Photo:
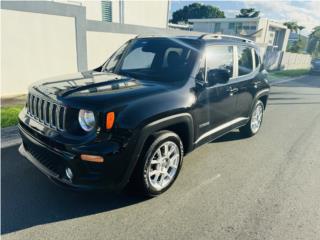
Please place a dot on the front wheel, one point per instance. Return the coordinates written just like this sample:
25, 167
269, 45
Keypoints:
160, 165
254, 124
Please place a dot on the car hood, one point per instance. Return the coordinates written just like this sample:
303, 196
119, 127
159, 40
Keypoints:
96, 89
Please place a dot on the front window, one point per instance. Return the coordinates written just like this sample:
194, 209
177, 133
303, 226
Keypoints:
156, 59
220, 58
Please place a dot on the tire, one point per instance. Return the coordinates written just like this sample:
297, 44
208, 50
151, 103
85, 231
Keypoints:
156, 171
254, 124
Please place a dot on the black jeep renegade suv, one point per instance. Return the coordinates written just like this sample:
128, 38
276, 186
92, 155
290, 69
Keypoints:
136, 116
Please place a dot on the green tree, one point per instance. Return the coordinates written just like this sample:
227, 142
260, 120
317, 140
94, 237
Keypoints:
300, 29
292, 26
196, 10
314, 42
248, 13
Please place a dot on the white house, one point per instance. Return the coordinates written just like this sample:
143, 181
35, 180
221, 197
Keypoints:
265, 32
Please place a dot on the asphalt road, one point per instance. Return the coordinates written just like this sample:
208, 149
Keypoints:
265, 187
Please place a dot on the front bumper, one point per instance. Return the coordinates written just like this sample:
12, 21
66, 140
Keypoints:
52, 160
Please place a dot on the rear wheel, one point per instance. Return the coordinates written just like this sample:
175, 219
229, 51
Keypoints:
254, 124
159, 167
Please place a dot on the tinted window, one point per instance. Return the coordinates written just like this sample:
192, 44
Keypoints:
159, 59
220, 57
245, 61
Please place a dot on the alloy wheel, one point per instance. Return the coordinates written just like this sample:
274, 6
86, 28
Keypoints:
163, 165
256, 118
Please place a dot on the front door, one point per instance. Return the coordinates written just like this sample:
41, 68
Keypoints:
217, 100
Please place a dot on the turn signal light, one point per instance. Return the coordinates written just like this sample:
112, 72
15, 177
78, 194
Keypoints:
109, 120
92, 158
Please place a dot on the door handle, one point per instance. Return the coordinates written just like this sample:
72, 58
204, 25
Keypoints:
256, 83
232, 90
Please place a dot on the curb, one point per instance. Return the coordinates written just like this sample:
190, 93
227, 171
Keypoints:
10, 136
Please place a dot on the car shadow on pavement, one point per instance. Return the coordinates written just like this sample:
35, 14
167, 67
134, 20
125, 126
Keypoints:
234, 135
29, 198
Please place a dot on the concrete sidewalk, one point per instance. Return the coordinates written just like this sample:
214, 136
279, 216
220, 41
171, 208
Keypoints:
14, 100
10, 137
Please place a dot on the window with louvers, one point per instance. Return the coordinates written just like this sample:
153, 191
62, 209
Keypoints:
106, 11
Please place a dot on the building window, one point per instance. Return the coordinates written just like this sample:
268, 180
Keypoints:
106, 7
253, 27
238, 27
217, 27
231, 25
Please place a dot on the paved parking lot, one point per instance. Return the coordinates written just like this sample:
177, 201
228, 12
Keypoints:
265, 187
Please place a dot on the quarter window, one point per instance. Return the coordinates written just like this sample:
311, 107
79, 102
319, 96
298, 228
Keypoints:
245, 61
257, 59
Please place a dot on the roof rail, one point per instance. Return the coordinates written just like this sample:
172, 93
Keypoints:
221, 36
145, 35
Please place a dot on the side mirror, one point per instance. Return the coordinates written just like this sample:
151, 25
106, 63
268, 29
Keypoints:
216, 76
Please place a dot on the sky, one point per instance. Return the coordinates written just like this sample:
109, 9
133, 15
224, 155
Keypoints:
305, 13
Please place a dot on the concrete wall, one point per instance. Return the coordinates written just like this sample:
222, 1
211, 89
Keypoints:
295, 61
146, 13
93, 10
35, 46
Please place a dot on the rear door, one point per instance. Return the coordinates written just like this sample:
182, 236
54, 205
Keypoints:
245, 80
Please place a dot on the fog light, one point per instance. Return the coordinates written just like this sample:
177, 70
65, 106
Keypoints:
69, 173
92, 158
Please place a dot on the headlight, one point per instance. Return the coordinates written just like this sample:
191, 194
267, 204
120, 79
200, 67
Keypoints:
86, 120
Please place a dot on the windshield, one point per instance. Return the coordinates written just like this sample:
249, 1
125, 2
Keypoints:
156, 59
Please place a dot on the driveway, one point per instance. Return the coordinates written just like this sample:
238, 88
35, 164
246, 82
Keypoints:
265, 187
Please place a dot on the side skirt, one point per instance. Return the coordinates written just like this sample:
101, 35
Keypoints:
220, 131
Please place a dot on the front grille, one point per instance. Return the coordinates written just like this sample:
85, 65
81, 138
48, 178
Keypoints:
49, 113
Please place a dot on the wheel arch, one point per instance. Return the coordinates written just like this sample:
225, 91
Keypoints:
261, 95
181, 124
169, 123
